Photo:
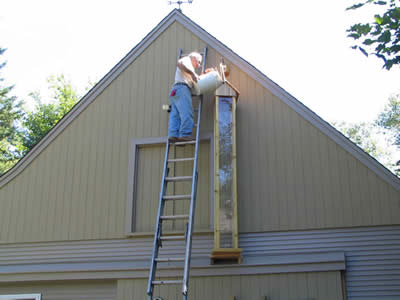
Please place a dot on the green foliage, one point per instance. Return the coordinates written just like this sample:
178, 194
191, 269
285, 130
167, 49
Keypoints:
378, 137
380, 37
45, 115
390, 120
390, 117
362, 135
368, 137
10, 114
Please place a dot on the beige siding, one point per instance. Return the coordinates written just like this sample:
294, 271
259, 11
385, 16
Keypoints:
88, 290
292, 286
290, 175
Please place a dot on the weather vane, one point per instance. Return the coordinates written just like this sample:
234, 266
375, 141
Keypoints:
179, 2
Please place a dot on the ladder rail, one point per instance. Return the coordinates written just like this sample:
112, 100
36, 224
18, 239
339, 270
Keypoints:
192, 206
158, 224
188, 252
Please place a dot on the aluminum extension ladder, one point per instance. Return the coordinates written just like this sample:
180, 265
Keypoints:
159, 238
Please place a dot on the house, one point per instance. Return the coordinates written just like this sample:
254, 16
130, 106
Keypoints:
318, 217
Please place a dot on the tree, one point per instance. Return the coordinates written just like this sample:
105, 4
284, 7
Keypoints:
10, 114
366, 135
382, 36
45, 115
390, 120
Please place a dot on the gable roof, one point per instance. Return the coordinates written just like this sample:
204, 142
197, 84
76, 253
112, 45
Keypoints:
253, 72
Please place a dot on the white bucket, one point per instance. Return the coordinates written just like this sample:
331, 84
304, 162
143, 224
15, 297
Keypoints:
207, 83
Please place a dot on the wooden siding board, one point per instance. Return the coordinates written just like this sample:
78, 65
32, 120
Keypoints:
123, 163
76, 219
354, 196
335, 201
165, 84
291, 170
283, 168
20, 214
52, 195
347, 209
97, 192
38, 205
252, 166
84, 179
363, 209
300, 163
45, 197
93, 118
7, 203
244, 195
317, 205
146, 73
324, 167
366, 200
259, 163
395, 206
308, 176
114, 167
109, 157
140, 109
74, 158
5, 212
270, 163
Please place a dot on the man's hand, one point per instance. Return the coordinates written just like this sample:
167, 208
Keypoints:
208, 70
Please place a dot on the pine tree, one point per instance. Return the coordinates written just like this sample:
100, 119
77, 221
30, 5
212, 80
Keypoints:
10, 114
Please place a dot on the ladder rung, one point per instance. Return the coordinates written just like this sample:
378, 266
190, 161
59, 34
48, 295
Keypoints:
177, 197
185, 143
173, 238
176, 217
179, 178
180, 159
169, 259
158, 282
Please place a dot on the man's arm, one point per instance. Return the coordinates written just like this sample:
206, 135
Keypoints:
184, 69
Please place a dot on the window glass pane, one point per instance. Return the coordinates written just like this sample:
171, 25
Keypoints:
225, 171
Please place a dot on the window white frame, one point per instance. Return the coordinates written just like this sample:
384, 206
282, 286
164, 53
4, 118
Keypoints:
132, 173
21, 296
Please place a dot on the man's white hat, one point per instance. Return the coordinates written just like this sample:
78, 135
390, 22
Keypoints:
196, 55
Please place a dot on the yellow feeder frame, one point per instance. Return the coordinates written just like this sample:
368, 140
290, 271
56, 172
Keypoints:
227, 251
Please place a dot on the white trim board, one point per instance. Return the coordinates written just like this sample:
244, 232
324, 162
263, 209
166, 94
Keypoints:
275, 89
21, 296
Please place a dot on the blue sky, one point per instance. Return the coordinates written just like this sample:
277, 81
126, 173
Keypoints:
301, 45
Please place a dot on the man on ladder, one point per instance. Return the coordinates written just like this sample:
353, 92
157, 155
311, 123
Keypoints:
181, 115
179, 134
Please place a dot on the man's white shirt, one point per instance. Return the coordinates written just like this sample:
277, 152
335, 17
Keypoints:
182, 76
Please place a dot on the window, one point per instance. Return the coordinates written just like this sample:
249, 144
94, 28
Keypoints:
144, 180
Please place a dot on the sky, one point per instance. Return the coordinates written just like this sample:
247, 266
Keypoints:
300, 45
